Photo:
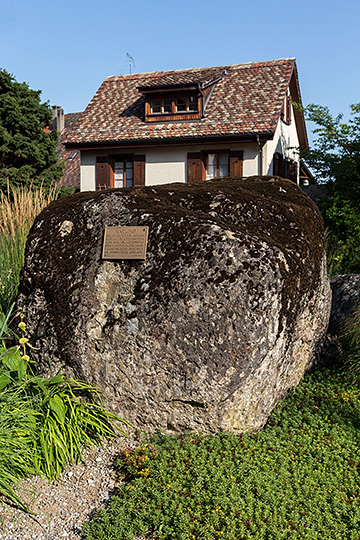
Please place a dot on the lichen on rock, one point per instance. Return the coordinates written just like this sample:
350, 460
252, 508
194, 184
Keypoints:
226, 313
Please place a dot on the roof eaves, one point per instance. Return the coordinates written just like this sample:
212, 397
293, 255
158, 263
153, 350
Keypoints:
299, 117
265, 135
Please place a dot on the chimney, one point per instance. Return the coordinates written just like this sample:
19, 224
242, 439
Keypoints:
58, 122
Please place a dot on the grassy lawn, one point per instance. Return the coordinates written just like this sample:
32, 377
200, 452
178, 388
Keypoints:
298, 478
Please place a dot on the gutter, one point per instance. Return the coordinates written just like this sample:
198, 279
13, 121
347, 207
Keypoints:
176, 141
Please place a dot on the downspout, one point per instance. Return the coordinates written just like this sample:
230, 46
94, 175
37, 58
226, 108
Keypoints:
260, 155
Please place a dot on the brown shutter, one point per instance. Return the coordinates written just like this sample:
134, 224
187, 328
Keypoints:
288, 109
102, 173
287, 166
139, 170
236, 163
194, 167
278, 164
293, 171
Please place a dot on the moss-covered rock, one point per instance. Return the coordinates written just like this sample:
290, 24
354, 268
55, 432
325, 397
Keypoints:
223, 317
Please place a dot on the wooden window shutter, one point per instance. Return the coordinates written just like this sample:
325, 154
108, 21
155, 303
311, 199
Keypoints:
288, 109
194, 167
102, 173
278, 162
287, 167
293, 171
236, 163
139, 170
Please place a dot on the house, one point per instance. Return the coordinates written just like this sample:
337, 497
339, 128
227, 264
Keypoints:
63, 124
191, 125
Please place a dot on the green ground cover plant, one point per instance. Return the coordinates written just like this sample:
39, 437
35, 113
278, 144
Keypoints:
18, 210
298, 478
44, 423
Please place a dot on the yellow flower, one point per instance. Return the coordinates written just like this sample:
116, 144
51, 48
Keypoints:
22, 326
26, 358
168, 486
23, 340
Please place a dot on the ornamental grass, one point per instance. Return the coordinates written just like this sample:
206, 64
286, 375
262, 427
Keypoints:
18, 210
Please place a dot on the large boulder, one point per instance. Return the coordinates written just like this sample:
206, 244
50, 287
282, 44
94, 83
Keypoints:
225, 315
345, 301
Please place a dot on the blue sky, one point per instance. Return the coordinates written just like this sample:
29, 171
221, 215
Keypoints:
66, 48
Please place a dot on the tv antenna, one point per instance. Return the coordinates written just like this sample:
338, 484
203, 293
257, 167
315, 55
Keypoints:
131, 61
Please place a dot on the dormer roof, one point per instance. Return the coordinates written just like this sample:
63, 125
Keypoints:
197, 78
245, 101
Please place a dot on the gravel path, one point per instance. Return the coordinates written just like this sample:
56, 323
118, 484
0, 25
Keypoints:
64, 506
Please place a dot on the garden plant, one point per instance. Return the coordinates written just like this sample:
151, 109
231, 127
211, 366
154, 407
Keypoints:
44, 423
298, 478
18, 210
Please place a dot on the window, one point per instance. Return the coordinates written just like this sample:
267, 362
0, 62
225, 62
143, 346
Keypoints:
186, 104
174, 104
118, 171
177, 106
285, 167
123, 173
217, 165
206, 165
161, 106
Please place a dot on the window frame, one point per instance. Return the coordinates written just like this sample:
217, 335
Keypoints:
192, 106
125, 159
217, 153
196, 164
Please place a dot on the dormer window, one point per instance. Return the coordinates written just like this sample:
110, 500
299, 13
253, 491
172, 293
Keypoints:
173, 102
174, 106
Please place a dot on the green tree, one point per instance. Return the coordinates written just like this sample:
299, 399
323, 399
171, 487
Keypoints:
27, 148
335, 159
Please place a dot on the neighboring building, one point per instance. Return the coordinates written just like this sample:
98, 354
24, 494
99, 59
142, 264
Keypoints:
64, 125
191, 125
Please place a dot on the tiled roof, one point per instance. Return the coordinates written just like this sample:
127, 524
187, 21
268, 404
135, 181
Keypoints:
71, 176
246, 101
186, 76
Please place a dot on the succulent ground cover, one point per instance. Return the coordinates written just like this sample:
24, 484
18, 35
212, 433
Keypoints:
296, 478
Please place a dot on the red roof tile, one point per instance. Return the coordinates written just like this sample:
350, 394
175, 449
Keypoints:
247, 100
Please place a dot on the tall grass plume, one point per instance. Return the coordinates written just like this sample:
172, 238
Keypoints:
18, 210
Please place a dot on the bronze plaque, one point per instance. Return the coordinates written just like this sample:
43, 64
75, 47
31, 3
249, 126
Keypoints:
125, 242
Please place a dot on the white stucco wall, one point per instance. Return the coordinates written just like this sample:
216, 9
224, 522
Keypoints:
285, 138
88, 171
167, 165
